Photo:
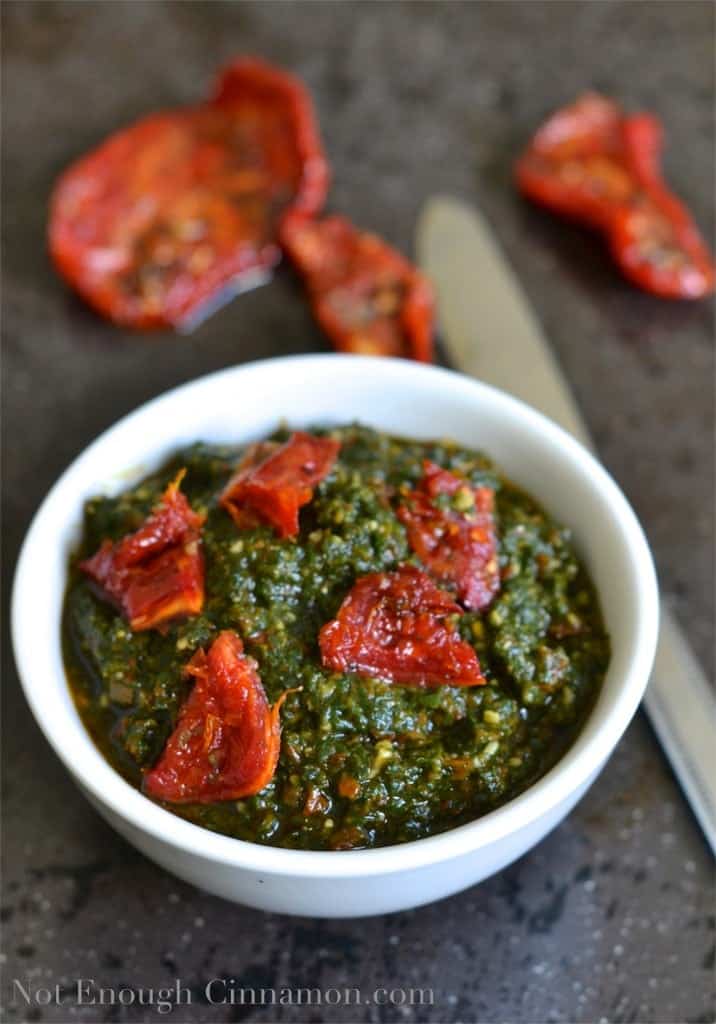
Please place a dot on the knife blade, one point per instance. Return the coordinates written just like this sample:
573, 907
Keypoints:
491, 333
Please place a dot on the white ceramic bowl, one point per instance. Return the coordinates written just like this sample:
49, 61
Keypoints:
245, 403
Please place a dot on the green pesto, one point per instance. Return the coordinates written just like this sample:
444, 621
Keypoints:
363, 762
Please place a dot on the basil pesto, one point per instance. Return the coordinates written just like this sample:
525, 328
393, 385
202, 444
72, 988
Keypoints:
363, 762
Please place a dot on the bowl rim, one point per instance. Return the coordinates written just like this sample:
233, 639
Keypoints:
577, 766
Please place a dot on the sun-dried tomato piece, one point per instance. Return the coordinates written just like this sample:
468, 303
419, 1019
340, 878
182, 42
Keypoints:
366, 296
166, 216
399, 626
274, 481
592, 162
157, 573
456, 540
227, 739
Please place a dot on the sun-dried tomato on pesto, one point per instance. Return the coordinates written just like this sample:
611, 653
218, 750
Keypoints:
364, 761
227, 739
451, 528
155, 573
273, 481
401, 627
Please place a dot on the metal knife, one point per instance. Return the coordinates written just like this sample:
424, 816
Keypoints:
490, 332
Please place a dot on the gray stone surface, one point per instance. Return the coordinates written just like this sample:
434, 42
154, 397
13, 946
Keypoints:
611, 918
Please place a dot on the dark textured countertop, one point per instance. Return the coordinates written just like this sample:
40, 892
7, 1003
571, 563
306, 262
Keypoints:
611, 918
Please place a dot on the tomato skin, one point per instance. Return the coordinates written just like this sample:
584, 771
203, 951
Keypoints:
273, 482
457, 547
594, 164
227, 739
366, 297
167, 214
156, 573
395, 626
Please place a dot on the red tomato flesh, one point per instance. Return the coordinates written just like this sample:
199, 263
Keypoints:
227, 739
166, 215
366, 297
592, 162
157, 573
398, 626
274, 481
456, 545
